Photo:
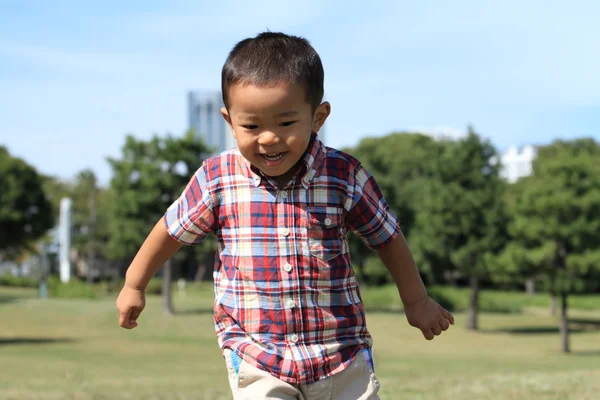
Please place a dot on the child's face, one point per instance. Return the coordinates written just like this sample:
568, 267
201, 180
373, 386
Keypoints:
273, 125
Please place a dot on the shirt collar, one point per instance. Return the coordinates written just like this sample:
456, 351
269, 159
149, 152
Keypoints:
311, 161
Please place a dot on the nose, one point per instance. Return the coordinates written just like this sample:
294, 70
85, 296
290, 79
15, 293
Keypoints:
268, 138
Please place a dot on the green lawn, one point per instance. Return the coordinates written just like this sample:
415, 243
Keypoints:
74, 349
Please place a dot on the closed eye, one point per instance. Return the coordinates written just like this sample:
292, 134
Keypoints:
250, 127
288, 123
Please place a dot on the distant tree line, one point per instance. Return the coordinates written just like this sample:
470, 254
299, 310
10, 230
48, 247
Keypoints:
466, 225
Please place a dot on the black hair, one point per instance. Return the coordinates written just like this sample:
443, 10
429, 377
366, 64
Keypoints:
272, 58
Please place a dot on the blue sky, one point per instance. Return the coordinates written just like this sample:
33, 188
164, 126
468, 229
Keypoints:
75, 76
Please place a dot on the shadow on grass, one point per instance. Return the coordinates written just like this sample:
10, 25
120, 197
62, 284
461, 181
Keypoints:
590, 353
585, 322
531, 330
8, 299
576, 325
20, 341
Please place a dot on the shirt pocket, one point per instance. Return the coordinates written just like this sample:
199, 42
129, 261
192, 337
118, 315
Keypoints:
325, 232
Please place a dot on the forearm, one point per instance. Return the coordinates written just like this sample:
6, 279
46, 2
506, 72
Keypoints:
398, 260
158, 247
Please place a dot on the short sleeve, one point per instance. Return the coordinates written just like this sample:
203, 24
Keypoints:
369, 215
190, 219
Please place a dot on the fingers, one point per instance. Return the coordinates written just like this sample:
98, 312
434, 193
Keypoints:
128, 318
444, 324
428, 334
448, 316
135, 313
125, 318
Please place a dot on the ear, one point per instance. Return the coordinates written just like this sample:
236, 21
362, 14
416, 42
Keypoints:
321, 114
227, 119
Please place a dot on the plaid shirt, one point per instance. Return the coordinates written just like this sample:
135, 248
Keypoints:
287, 300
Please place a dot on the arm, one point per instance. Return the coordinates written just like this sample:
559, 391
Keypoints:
370, 217
158, 247
397, 258
421, 311
187, 221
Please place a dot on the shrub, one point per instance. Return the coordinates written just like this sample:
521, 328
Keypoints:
18, 281
72, 289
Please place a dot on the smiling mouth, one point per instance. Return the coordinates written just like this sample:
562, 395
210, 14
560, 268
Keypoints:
273, 156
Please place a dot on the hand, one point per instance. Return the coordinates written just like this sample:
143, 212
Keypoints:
428, 316
130, 304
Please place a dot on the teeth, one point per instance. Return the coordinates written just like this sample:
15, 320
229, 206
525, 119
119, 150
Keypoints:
273, 157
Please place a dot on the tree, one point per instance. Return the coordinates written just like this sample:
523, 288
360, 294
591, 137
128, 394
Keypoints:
556, 226
400, 162
146, 180
84, 194
89, 217
25, 211
461, 221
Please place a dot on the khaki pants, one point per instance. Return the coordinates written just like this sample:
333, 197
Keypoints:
357, 382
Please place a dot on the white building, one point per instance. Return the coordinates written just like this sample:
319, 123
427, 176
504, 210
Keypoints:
517, 162
204, 115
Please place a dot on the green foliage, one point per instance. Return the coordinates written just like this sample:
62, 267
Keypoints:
556, 219
386, 298
375, 272
154, 286
460, 219
73, 289
18, 281
147, 179
90, 216
490, 301
25, 212
400, 162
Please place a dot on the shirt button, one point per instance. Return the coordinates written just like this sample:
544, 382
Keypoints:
283, 195
285, 231
287, 267
327, 221
294, 338
290, 303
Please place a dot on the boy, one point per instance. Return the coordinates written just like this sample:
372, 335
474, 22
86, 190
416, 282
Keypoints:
288, 313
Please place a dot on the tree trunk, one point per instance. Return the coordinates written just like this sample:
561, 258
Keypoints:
167, 293
530, 286
552, 304
91, 235
564, 324
200, 273
360, 271
474, 305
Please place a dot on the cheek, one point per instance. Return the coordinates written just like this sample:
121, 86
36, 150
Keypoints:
299, 142
244, 142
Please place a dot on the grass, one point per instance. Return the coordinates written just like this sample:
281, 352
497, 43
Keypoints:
73, 349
